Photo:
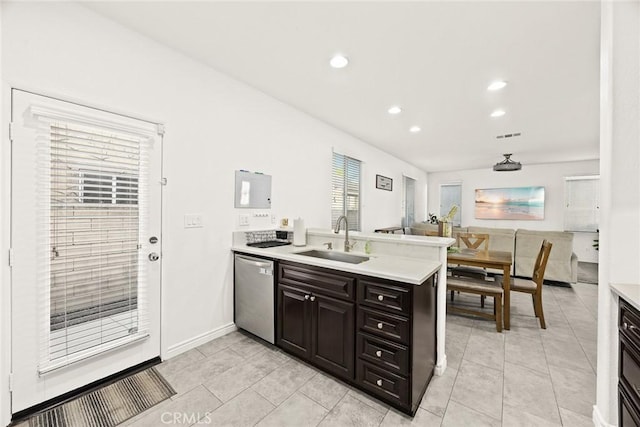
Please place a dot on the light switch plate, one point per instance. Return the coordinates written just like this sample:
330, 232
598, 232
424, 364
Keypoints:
243, 220
193, 221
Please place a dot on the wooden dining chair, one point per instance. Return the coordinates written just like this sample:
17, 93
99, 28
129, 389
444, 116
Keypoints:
477, 287
479, 241
533, 286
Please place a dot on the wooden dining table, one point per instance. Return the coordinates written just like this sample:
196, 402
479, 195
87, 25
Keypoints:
489, 259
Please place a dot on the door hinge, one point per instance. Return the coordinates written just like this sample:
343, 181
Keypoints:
11, 131
163, 181
160, 129
11, 257
11, 382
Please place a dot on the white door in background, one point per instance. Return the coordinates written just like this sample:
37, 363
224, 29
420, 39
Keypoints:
409, 217
85, 211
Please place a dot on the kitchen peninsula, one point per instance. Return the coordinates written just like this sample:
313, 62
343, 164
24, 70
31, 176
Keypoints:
375, 320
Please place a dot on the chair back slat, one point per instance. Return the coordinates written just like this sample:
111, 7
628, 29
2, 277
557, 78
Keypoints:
473, 240
541, 263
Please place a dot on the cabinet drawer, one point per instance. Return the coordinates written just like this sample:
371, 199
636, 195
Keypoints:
384, 325
386, 354
318, 280
630, 369
383, 383
629, 323
627, 411
385, 296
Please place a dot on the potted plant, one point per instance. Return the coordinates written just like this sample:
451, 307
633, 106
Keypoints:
445, 223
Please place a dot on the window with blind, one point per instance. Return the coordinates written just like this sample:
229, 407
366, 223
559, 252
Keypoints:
345, 190
582, 198
97, 202
450, 195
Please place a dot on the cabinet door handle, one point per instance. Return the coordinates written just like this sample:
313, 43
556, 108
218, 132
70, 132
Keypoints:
313, 298
626, 326
380, 325
379, 382
306, 296
380, 298
379, 353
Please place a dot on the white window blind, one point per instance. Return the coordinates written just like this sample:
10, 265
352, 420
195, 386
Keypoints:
451, 194
582, 197
409, 201
345, 190
93, 214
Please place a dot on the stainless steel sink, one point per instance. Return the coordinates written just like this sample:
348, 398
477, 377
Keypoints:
335, 256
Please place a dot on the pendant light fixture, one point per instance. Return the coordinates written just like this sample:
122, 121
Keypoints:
507, 165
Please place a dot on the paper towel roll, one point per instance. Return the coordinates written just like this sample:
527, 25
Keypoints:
299, 233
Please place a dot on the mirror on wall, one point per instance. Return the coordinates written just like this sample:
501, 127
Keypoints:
253, 190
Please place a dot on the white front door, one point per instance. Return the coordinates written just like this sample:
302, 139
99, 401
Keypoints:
86, 245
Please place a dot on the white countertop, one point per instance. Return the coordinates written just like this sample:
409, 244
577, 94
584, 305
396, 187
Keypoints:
388, 237
407, 270
629, 292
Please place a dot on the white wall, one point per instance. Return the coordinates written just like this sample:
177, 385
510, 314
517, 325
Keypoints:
214, 125
5, 294
550, 176
620, 186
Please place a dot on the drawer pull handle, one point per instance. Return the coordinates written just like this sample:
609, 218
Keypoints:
379, 353
379, 382
380, 325
380, 298
626, 326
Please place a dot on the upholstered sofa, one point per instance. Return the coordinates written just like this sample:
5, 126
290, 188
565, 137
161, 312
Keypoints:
524, 245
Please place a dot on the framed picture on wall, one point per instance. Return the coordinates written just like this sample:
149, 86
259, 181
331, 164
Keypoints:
521, 203
384, 183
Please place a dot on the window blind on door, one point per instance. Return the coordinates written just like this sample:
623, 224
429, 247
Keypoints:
92, 216
451, 195
582, 210
345, 190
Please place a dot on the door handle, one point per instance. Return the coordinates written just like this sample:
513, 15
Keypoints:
153, 256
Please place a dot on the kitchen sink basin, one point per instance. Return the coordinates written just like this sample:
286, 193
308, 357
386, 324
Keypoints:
335, 256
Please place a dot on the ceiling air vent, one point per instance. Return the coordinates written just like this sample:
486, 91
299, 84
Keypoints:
509, 135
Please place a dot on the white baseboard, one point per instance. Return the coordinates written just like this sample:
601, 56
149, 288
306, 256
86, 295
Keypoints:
198, 340
598, 419
441, 367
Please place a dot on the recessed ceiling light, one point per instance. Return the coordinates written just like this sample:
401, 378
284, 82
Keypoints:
394, 110
414, 129
339, 61
497, 85
498, 113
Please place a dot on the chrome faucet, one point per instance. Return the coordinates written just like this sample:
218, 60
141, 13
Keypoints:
347, 245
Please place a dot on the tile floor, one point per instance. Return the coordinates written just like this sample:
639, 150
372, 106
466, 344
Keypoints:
523, 377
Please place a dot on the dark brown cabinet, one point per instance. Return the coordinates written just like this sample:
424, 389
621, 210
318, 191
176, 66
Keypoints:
376, 334
396, 338
332, 323
294, 320
315, 326
629, 366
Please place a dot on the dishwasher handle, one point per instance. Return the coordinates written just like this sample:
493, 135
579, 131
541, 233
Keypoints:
255, 262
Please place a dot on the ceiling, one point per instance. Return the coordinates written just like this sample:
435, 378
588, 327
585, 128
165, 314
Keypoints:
434, 59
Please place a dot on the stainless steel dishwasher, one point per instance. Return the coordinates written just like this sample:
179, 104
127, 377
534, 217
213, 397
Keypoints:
254, 296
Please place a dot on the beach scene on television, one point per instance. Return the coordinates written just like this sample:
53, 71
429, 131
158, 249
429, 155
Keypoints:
522, 203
